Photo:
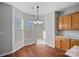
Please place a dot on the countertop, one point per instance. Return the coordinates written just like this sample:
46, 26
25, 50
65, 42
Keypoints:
76, 38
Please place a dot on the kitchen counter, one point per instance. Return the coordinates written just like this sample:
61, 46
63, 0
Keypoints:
76, 38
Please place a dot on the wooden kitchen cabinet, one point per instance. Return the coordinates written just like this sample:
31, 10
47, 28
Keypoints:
66, 44
64, 22
74, 42
63, 43
58, 42
67, 22
60, 23
75, 21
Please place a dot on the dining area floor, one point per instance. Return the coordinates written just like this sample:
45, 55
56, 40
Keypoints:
38, 50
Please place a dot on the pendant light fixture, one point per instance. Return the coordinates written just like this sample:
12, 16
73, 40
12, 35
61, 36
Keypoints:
38, 21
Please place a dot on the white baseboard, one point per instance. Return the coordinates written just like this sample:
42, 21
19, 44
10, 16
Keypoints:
14, 50
17, 49
10, 52
50, 45
21, 47
1, 55
29, 44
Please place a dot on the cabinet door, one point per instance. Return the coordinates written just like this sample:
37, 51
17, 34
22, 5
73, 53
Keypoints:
65, 44
58, 42
75, 21
74, 42
60, 22
67, 22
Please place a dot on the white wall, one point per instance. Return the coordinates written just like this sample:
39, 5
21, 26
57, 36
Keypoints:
38, 29
18, 41
50, 29
7, 16
29, 36
5, 29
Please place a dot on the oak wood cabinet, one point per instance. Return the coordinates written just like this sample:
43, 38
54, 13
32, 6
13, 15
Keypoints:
66, 44
64, 22
74, 42
62, 42
58, 42
67, 22
60, 23
75, 21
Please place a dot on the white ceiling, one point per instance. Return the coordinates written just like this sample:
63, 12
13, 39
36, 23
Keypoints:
45, 7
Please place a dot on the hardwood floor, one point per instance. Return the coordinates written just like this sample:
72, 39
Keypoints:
38, 51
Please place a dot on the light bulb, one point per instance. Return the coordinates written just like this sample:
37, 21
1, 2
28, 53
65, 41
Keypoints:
35, 22
40, 22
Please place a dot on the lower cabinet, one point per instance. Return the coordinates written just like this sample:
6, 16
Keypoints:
74, 42
58, 43
65, 44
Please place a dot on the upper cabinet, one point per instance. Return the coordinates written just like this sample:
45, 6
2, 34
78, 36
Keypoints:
60, 24
67, 22
75, 21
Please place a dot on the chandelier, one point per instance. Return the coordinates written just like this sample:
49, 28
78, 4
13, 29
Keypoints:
38, 21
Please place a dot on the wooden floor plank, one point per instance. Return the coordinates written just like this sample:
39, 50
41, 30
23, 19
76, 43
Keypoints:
38, 51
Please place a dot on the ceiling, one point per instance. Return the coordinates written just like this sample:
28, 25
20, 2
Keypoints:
44, 9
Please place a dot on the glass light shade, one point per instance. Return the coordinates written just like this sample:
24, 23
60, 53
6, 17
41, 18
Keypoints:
37, 22
34, 22
40, 22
